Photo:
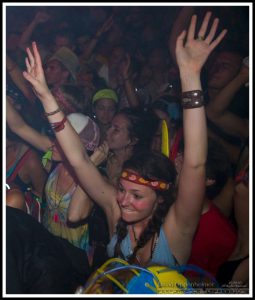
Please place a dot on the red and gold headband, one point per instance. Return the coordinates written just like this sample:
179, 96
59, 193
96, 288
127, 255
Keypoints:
155, 184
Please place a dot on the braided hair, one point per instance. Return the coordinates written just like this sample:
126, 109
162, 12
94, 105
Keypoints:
151, 166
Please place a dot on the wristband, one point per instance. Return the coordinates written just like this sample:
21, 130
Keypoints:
192, 99
58, 126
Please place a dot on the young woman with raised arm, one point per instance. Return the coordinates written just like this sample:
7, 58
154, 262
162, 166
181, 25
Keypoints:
147, 222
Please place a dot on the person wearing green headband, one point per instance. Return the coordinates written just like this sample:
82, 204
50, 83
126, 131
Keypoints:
104, 107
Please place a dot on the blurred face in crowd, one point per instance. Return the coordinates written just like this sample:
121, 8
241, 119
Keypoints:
157, 58
62, 41
104, 110
118, 134
223, 69
55, 74
85, 78
118, 54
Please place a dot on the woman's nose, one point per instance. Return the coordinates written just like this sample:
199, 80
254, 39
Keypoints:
125, 200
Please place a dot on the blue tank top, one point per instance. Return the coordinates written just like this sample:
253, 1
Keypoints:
162, 254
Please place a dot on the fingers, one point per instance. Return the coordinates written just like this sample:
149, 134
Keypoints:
28, 77
36, 55
103, 148
192, 28
202, 31
30, 58
180, 39
27, 65
212, 32
218, 39
204, 25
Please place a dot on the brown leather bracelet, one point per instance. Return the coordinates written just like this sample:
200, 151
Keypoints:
192, 99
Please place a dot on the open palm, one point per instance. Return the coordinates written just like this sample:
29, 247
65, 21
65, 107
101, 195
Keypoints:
35, 73
193, 53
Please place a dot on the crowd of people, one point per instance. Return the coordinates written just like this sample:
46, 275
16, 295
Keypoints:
127, 137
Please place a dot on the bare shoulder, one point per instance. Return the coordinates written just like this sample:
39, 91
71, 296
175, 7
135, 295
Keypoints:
34, 159
15, 198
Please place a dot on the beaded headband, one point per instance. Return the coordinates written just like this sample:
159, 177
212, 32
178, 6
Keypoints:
156, 185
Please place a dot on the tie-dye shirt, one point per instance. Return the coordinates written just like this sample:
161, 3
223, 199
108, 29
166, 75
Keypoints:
55, 215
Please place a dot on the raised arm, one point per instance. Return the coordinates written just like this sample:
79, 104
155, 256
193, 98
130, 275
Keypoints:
23, 130
90, 178
88, 51
16, 75
180, 23
81, 205
191, 55
217, 109
25, 39
128, 81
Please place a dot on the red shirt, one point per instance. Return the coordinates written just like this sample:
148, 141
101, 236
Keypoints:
214, 241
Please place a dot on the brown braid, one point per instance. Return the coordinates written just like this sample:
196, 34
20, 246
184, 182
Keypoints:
121, 233
152, 228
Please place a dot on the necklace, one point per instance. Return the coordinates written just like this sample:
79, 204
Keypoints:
153, 244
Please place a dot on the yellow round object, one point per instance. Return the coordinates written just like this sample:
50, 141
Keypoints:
171, 281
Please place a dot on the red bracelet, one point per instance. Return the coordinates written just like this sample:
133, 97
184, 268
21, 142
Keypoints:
58, 126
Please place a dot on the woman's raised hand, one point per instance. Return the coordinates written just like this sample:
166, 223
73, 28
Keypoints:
193, 53
105, 27
35, 73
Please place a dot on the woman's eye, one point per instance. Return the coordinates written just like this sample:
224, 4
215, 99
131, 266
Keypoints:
137, 196
120, 189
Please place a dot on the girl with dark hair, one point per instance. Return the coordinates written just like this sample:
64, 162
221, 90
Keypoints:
131, 131
136, 200
146, 164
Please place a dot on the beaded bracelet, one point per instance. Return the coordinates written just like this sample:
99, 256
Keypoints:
192, 99
52, 113
58, 126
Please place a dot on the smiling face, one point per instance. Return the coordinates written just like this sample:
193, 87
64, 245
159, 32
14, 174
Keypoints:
137, 202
